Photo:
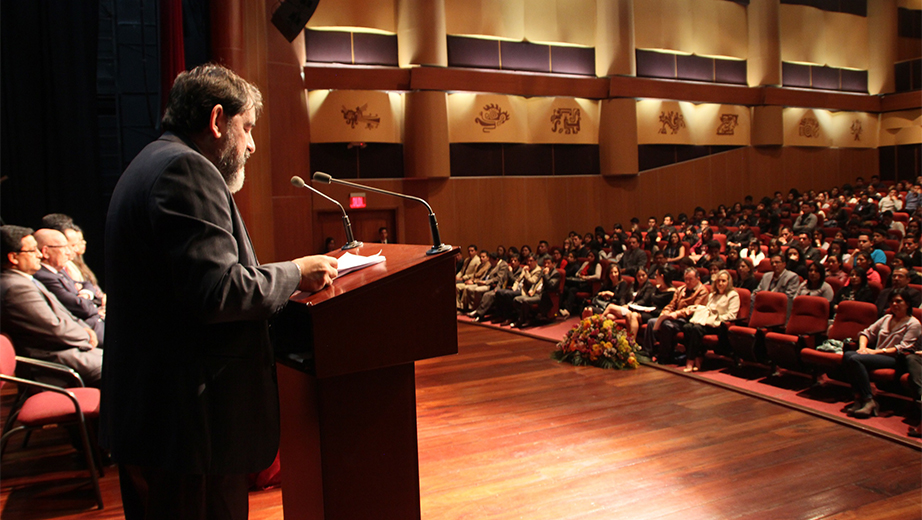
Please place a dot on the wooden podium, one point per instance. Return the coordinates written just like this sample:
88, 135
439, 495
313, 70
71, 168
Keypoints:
347, 384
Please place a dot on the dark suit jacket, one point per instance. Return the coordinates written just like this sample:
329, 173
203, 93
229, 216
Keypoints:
65, 289
189, 376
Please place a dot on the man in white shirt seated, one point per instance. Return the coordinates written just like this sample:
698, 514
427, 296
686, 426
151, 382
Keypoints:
39, 325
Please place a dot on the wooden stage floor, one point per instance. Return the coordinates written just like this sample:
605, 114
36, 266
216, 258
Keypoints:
507, 433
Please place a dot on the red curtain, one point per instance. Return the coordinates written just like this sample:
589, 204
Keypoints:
172, 52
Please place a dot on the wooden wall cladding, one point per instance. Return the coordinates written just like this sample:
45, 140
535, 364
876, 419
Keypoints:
512, 159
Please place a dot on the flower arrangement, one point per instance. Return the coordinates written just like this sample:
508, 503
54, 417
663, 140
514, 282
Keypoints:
599, 342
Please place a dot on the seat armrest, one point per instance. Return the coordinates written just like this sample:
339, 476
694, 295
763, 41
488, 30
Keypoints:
52, 366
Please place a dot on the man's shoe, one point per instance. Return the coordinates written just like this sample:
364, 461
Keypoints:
868, 409
914, 432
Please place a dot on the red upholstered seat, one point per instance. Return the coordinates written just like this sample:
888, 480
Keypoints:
52, 405
769, 311
49, 407
765, 266
851, 318
809, 318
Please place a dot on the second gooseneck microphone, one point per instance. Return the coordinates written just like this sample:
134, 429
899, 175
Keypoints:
351, 242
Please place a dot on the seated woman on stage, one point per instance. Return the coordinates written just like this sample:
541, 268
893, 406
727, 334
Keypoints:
815, 283
880, 346
856, 290
674, 249
722, 306
614, 291
746, 273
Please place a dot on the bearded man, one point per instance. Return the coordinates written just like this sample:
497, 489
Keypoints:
189, 401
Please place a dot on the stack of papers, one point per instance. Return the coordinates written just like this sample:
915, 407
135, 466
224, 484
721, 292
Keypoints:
350, 262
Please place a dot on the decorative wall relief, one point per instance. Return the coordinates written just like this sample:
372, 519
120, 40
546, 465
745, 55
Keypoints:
565, 120
728, 124
809, 127
358, 116
856, 129
491, 117
675, 121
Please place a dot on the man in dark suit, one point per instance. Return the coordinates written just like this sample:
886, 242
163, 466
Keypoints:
189, 400
35, 320
81, 303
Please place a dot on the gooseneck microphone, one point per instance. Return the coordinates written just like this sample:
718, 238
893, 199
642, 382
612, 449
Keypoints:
437, 245
351, 243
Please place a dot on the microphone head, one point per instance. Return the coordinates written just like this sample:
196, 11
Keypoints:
297, 182
323, 177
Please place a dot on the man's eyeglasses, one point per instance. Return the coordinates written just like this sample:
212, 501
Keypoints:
33, 251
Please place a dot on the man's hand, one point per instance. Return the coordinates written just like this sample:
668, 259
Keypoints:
317, 271
94, 341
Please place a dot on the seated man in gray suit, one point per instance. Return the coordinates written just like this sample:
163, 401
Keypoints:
779, 280
37, 322
82, 303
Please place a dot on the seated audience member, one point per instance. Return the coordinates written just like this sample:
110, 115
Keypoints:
35, 320
779, 279
483, 267
548, 280
603, 238
733, 258
557, 258
571, 265
890, 202
887, 223
838, 248
504, 300
899, 279
673, 317
903, 260
865, 210
383, 236
634, 257
542, 252
589, 272
668, 227
513, 272
699, 248
785, 236
807, 221
913, 198
77, 268
472, 293
880, 346
746, 273
815, 283
834, 269
469, 265
879, 239
56, 252
501, 253
643, 295
649, 243
524, 251
714, 269
723, 305
863, 260
795, 261
753, 252
741, 238
774, 248
653, 228
808, 248
674, 250
857, 290
711, 255
614, 290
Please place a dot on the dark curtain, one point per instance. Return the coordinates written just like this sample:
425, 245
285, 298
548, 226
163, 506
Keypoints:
48, 137
172, 53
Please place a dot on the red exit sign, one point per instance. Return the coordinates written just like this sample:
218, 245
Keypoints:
356, 200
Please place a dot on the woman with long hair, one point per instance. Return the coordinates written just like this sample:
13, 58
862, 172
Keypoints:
856, 290
722, 306
881, 345
590, 271
674, 249
746, 274
815, 283
614, 291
